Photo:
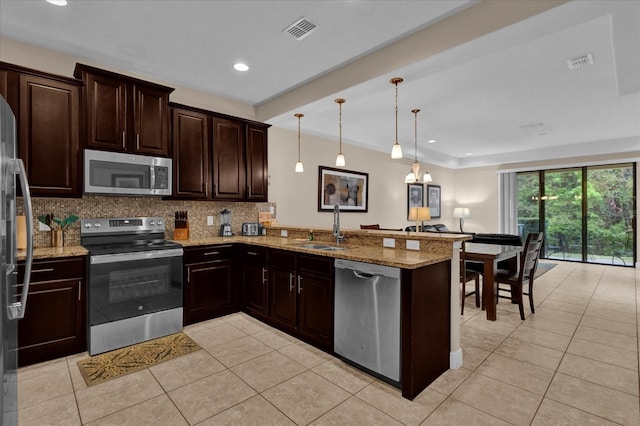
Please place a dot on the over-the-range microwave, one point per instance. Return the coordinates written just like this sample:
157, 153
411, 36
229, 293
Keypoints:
126, 174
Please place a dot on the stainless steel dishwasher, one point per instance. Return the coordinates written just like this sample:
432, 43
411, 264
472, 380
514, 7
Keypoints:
367, 317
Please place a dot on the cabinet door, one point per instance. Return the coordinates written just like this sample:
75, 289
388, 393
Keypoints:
190, 154
257, 172
315, 309
106, 113
208, 290
49, 135
150, 121
228, 160
255, 289
283, 296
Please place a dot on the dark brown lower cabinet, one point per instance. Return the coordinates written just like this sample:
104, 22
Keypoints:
209, 284
54, 324
302, 296
255, 280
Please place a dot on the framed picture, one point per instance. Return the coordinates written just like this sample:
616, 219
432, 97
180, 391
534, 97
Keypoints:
347, 189
126, 181
415, 196
433, 200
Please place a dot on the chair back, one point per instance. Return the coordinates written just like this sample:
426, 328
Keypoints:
375, 226
530, 256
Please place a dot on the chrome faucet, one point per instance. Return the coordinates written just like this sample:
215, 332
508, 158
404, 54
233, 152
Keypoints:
336, 224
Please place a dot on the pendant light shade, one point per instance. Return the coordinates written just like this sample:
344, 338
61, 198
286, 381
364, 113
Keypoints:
340, 158
299, 166
396, 151
414, 175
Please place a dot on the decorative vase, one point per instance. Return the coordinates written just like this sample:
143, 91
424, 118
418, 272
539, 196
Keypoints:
57, 238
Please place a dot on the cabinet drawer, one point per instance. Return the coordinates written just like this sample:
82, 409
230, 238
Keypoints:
315, 264
285, 259
207, 253
255, 254
50, 270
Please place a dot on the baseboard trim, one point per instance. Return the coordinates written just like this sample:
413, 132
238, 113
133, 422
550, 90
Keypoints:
455, 359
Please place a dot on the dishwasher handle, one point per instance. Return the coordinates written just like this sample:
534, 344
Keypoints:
363, 275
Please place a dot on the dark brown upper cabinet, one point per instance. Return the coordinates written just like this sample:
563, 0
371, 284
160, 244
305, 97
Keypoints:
257, 161
190, 136
229, 172
217, 156
47, 110
125, 114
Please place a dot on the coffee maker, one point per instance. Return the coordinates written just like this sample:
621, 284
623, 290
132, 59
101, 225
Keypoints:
225, 223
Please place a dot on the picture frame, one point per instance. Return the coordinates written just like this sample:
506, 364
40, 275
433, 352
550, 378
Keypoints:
415, 196
434, 200
126, 181
346, 188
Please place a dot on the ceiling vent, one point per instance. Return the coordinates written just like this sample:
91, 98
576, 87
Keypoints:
301, 28
580, 61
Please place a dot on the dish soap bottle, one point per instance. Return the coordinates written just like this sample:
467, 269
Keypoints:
310, 234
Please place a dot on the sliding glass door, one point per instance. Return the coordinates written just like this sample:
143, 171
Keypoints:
586, 213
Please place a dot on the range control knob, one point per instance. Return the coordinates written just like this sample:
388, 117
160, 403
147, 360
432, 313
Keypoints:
152, 222
159, 223
97, 225
87, 225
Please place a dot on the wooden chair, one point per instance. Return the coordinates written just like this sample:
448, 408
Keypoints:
528, 264
376, 226
467, 275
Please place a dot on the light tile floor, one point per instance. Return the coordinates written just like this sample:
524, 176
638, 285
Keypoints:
574, 362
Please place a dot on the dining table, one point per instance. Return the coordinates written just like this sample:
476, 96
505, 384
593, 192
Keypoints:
491, 256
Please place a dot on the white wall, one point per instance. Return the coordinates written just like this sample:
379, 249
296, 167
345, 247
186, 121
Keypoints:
296, 194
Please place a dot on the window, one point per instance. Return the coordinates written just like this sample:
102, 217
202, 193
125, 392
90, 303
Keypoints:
586, 213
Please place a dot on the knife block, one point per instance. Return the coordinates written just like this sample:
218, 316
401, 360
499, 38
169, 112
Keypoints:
181, 233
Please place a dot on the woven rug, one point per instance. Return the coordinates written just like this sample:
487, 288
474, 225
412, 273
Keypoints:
120, 362
542, 268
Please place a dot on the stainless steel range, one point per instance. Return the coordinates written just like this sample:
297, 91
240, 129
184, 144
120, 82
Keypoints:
135, 281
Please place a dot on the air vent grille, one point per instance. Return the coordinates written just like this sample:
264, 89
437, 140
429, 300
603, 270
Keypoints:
580, 61
301, 28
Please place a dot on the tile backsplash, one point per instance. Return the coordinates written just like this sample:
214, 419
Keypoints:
103, 206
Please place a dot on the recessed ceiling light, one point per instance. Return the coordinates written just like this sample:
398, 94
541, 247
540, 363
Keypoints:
58, 2
241, 67
468, 154
431, 141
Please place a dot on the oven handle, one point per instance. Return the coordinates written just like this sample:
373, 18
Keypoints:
138, 255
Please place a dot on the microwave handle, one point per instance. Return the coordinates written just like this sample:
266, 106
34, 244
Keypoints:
153, 177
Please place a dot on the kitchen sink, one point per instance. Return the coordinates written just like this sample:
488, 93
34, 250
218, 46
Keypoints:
321, 246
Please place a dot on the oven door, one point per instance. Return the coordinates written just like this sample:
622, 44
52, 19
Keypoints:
127, 285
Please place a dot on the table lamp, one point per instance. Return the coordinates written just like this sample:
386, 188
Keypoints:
419, 214
461, 212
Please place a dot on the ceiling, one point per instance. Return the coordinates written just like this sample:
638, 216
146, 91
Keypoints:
496, 88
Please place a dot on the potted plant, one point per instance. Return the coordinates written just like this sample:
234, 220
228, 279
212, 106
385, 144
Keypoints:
57, 227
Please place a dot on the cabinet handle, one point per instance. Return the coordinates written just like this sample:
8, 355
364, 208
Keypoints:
79, 290
252, 253
211, 253
291, 282
123, 139
299, 284
264, 275
42, 270
137, 140
188, 274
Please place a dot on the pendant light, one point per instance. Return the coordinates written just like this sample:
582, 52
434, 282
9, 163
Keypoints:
299, 166
340, 158
396, 151
414, 174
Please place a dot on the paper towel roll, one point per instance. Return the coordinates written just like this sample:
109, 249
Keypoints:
21, 224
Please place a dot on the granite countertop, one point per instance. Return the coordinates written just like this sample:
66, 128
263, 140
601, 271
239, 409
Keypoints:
396, 257
400, 258
54, 252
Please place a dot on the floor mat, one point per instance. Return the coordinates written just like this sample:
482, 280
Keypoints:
542, 268
120, 362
